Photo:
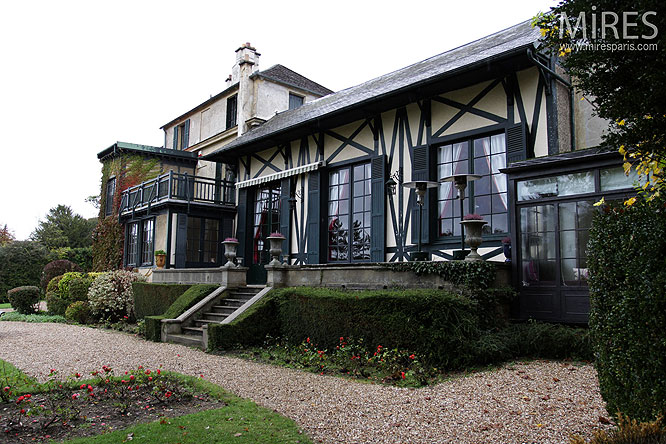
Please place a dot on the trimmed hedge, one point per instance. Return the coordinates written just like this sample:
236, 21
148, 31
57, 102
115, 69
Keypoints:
447, 330
62, 291
21, 264
155, 299
627, 262
185, 301
24, 299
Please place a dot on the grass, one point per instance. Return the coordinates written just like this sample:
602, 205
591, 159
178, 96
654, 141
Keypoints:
6, 305
240, 421
15, 316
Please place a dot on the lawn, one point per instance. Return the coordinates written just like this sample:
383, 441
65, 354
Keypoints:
145, 406
5, 305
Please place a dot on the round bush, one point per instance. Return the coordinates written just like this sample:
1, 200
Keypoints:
57, 268
78, 312
24, 299
110, 295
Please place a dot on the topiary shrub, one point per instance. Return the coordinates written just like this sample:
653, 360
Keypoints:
627, 262
67, 289
78, 312
24, 299
21, 263
57, 268
110, 296
54, 303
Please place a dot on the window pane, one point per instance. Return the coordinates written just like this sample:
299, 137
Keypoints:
482, 165
585, 214
482, 147
482, 186
568, 244
615, 179
482, 205
499, 224
568, 216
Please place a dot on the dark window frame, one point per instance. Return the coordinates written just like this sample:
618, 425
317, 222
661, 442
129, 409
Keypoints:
147, 242
135, 251
232, 111
201, 250
353, 200
469, 138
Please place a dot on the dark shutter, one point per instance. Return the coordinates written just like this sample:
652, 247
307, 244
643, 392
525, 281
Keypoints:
314, 211
175, 138
516, 143
181, 240
285, 213
241, 226
378, 224
186, 134
421, 171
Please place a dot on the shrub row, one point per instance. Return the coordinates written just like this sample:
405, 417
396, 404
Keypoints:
627, 262
185, 301
445, 329
155, 299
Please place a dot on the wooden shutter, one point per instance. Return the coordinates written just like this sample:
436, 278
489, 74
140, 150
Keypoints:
285, 214
516, 143
241, 226
314, 211
421, 171
181, 240
175, 138
378, 221
186, 134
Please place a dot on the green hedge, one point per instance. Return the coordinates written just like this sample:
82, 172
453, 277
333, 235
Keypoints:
436, 324
447, 330
185, 301
627, 262
155, 299
24, 299
21, 264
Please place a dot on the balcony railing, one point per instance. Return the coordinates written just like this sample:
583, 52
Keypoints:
177, 187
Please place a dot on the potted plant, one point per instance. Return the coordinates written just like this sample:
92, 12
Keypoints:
160, 258
230, 249
506, 246
473, 224
276, 240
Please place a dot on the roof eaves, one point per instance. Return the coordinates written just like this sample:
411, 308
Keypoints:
291, 85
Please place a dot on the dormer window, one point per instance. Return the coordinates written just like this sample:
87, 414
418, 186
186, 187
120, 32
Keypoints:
181, 135
295, 101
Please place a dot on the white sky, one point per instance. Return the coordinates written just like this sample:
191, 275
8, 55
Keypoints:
77, 76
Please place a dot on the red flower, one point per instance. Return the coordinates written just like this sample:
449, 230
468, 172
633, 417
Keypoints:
158, 371
20, 398
402, 374
82, 386
168, 394
6, 389
150, 378
22, 411
342, 338
90, 389
78, 375
131, 377
307, 340
412, 356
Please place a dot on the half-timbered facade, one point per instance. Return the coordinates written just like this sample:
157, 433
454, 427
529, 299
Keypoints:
329, 175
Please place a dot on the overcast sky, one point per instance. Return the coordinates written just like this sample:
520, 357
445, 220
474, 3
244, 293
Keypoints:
77, 76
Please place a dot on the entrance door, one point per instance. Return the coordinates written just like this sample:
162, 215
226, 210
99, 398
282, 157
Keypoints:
266, 220
553, 261
203, 248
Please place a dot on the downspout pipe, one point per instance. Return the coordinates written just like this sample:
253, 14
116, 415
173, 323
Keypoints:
572, 120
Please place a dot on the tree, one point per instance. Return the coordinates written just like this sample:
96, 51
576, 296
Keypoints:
21, 264
6, 235
622, 69
62, 228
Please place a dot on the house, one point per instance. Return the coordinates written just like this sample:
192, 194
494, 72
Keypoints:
167, 197
332, 175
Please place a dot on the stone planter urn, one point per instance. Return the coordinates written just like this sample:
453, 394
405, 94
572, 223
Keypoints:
473, 237
160, 259
230, 248
276, 240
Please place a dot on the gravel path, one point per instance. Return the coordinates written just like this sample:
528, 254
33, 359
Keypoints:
537, 402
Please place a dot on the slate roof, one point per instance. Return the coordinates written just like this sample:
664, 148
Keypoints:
284, 75
496, 45
578, 157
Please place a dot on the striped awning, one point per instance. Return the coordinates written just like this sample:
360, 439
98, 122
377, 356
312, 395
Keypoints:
280, 175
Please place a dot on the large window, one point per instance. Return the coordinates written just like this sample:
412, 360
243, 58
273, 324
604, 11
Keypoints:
232, 106
108, 199
483, 156
147, 245
132, 244
266, 220
349, 214
202, 241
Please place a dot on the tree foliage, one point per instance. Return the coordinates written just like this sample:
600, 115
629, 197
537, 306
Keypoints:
6, 235
625, 82
21, 264
63, 228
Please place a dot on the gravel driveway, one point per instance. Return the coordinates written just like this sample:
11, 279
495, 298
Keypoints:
535, 402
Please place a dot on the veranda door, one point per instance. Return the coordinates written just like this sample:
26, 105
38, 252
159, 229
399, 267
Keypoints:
266, 220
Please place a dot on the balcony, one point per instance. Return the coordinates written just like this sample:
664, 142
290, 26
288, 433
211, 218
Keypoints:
180, 189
